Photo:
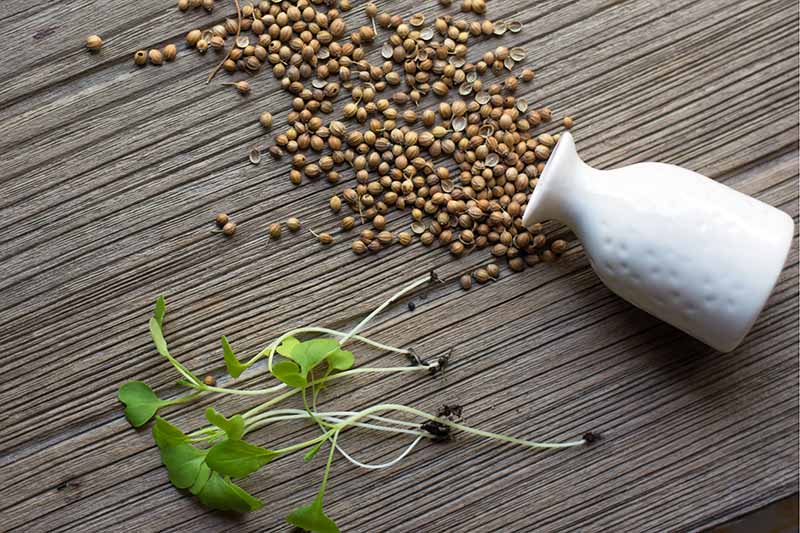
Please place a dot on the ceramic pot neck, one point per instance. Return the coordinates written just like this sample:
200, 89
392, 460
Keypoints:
558, 192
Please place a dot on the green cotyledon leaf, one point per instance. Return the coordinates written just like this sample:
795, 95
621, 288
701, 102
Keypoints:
232, 363
222, 494
310, 353
185, 463
141, 403
237, 458
312, 518
341, 360
166, 435
160, 310
289, 373
233, 427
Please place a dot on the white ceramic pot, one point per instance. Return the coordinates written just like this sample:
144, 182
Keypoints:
686, 249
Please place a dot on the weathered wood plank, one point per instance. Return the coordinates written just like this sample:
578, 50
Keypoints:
113, 172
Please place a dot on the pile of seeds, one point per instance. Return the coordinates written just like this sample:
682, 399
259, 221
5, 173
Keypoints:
422, 131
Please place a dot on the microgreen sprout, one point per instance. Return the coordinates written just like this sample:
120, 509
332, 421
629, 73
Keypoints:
205, 460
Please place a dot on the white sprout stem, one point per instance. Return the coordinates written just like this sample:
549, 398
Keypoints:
455, 425
281, 386
413, 285
332, 417
375, 417
381, 465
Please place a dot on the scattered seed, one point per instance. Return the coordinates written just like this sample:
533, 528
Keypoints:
500, 28
293, 224
417, 20
265, 119
558, 246
274, 231
482, 275
140, 57
170, 52
466, 282
210, 380
255, 155
515, 26
242, 86
418, 227
518, 53
155, 57
94, 43
325, 238
568, 122
335, 204
229, 228
358, 247
221, 219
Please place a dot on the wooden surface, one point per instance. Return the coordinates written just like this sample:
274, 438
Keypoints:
111, 175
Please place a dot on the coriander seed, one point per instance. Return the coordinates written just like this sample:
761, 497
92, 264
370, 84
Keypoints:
558, 246
386, 238
94, 43
170, 52
242, 86
358, 247
265, 119
293, 224
140, 57
274, 231
222, 219
209, 380
155, 57
466, 282
482, 275
193, 37
348, 223
404, 238
229, 228
335, 203
325, 238
517, 264
568, 122
493, 270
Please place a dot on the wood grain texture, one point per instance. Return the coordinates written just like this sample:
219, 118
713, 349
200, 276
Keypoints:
111, 175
